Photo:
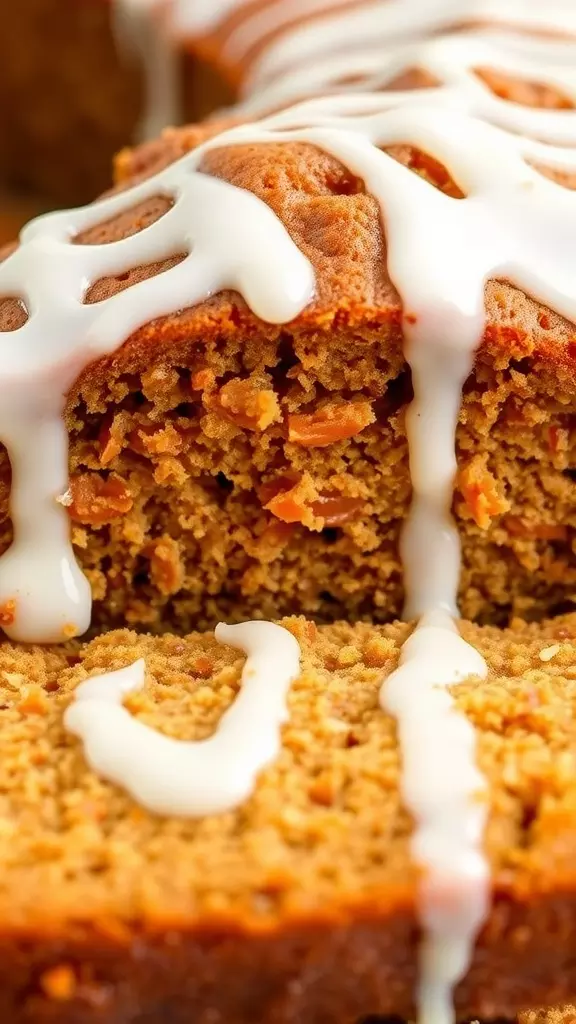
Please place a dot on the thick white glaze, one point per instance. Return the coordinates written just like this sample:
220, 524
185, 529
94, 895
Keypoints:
309, 45
447, 796
271, 19
192, 779
451, 59
378, 22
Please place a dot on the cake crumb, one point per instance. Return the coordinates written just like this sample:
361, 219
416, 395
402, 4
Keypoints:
323, 789
377, 652
59, 982
65, 498
348, 655
15, 680
34, 701
325, 820
8, 613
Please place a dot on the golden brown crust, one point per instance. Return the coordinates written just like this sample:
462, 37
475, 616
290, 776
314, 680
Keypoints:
339, 230
300, 904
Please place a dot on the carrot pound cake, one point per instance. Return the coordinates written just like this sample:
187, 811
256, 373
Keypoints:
275, 52
321, 363
300, 903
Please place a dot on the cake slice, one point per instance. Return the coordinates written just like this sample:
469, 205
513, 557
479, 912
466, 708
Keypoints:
302, 903
223, 467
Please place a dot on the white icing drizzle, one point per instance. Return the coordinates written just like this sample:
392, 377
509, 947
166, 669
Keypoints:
380, 22
200, 17
270, 19
316, 42
452, 60
441, 784
233, 240
192, 779
447, 795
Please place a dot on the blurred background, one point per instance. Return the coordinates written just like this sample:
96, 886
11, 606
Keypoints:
80, 79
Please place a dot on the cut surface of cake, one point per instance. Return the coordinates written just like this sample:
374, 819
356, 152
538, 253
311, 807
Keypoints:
322, 363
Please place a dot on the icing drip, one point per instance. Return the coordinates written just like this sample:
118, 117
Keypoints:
271, 19
312, 44
39, 572
441, 785
233, 240
142, 30
192, 779
446, 794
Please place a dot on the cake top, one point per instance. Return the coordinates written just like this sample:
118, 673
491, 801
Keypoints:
280, 51
262, 41
326, 828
